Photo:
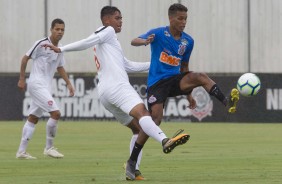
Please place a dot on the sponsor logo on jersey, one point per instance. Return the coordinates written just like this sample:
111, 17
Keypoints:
168, 59
50, 102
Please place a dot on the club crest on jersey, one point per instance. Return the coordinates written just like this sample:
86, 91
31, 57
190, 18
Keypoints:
181, 49
50, 103
166, 34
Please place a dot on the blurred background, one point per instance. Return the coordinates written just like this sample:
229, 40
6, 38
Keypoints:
231, 37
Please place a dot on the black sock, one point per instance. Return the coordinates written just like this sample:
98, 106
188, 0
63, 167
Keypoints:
216, 92
135, 152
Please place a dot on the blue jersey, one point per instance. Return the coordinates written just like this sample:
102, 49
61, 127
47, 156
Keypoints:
167, 53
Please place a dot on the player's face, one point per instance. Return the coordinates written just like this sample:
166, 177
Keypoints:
58, 31
178, 21
115, 21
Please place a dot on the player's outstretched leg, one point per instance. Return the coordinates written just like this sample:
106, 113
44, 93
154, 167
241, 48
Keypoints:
176, 140
233, 99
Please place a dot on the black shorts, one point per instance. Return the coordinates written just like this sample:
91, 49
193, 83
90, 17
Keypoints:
160, 91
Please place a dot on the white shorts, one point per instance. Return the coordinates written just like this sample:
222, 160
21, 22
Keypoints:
41, 101
120, 101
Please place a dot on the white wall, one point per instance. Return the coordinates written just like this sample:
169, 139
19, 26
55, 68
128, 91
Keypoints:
266, 37
82, 18
219, 27
21, 24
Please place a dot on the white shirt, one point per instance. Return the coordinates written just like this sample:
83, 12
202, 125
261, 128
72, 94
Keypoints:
45, 63
110, 61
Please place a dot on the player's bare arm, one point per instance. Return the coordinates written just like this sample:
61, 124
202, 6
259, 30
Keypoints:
21, 82
140, 41
64, 75
184, 67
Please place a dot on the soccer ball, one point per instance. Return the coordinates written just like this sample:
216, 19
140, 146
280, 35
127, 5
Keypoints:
248, 84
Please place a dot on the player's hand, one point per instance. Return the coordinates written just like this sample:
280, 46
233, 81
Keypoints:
52, 47
150, 39
192, 102
71, 89
21, 84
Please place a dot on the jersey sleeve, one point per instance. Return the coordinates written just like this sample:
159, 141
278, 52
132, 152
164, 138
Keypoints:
61, 60
106, 34
33, 50
86, 43
132, 66
146, 35
91, 41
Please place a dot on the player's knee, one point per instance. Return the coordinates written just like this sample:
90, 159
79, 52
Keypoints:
198, 78
33, 119
157, 120
203, 76
55, 115
135, 131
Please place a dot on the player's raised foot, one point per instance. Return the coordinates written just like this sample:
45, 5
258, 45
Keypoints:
130, 170
138, 175
25, 155
233, 99
178, 139
52, 152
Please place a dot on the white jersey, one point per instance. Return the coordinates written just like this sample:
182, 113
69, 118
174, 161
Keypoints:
114, 89
111, 64
45, 63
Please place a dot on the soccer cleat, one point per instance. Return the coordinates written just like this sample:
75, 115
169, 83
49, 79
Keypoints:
176, 140
25, 155
130, 170
52, 152
233, 99
138, 175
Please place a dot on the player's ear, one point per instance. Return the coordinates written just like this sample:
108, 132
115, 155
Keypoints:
106, 20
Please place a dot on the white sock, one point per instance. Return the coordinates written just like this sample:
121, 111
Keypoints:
27, 133
151, 129
51, 130
132, 143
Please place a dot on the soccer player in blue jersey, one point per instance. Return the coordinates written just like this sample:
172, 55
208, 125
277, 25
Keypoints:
169, 73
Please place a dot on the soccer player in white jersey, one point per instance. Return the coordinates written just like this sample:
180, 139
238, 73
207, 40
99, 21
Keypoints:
45, 63
114, 89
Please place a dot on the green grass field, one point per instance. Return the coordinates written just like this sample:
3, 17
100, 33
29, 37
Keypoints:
220, 153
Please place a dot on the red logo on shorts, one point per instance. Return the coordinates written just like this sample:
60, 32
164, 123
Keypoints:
50, 103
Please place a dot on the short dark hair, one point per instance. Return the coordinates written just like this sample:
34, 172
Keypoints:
56, 21
176, 7
108, 10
